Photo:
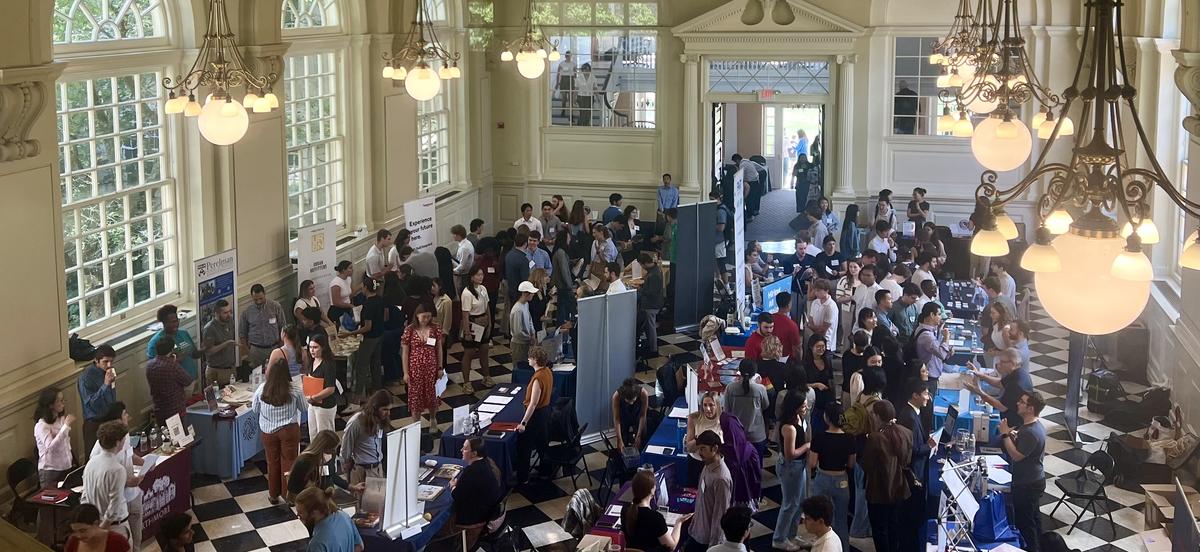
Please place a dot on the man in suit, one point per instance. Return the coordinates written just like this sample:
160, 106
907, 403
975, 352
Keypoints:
909, 416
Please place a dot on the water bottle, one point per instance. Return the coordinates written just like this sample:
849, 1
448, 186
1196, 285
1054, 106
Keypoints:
154, 441
232, 379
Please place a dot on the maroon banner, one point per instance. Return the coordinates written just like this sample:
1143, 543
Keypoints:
166, 489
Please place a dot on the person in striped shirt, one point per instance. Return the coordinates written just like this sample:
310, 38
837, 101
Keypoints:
277, 405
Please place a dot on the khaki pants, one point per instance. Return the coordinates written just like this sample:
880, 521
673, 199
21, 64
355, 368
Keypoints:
320, 418
218, 375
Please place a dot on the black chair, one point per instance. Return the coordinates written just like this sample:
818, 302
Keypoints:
22, 483
666, 377
1088, 483
615, 471
568, 455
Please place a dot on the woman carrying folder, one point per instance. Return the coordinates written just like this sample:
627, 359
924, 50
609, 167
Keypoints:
321, 388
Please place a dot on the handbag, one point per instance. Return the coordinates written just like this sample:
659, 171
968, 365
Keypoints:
80, 349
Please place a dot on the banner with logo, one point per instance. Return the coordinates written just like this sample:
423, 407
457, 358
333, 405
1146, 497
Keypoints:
739, 244
420, 218
316, 257
216, 279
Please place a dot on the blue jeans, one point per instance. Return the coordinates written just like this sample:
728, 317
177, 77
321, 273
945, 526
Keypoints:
860, 527
837, 488
793, 483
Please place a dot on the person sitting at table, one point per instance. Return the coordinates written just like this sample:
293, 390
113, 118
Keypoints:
746, 399
276, 405
533, 433
331, 529
993, 340
1013, 382
362, 441
175, 533
707, 418
90, 535
477, 494
645, 528
630, 402
766, 326
714, 494
306, 470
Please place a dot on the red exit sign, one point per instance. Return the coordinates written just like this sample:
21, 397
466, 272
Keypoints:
766, 94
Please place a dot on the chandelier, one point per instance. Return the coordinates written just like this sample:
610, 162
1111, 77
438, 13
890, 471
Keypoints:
531, 50
414, 62
957, 50
219, 67
1090, 276
1003, 80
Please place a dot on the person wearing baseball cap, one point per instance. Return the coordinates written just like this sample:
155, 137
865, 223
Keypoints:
520, 323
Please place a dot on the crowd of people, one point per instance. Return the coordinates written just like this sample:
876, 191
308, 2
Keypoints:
837, 383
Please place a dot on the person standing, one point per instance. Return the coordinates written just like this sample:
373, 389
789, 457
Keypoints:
290, 351
362, 441
517, 265
909, 416
382, 257
918, 208
220, 345
366, 364
276, 406
820, 515
822, 311
421, 353
105, 478
713, 495
614, 208
258, 329
1025, 446
331, 529
833, 456
747, 400
585, 88
475, 309
168, 381
520, 323
651, 299
533, 433
476, 232
933, 345
791, 467
527, 220
185, 347
904, 312
97, 391
322, 405
886, 457
52, 433
563, 278
551, 224
464, 255
564, 87
644, 528
1014, 382
629, 404
668, 195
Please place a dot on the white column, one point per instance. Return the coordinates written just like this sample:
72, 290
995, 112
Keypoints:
691, 123
844, 186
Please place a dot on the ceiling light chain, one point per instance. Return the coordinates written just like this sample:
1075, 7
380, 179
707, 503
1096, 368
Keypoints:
414, 62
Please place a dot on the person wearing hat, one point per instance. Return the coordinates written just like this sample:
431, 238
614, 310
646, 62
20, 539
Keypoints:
520, 323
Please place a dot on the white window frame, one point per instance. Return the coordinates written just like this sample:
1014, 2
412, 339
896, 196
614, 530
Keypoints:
433, 122
921, 120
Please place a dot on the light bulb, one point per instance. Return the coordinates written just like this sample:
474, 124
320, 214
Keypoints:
249, 99
1038, 119
388, 71
272, 99
399, 73
1067, 128
1059, 221
1041, 258
1070, 295
506, 56
956, 80
936, 59
963, 128
174, 106
1006, 226
554, 55
262, 105
989, 243
978, 104
1132, 266
943, 80
999, 153
423, 83
445, 74
222, 129
1147, 231
531, 67
1190, 258
946, 122
192, 109
542, 53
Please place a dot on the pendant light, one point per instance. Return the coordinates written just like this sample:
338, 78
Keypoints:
422, 62
532, 50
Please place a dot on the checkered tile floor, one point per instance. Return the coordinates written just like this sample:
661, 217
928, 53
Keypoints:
234, 516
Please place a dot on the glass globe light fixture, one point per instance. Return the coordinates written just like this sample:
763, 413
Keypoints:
1131, 264
1041, 256
415, 61
1006, 226
422, 83
223, 121
1147, 231
1070, 295
1001, 144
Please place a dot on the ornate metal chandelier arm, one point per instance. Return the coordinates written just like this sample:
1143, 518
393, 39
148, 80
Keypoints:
261, 82
1190, 207
999, 198
1033, 86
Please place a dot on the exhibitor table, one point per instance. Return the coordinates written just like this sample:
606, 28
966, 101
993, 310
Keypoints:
439, 511
502, 449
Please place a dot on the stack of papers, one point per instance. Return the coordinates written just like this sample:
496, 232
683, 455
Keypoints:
678, 412
563, 367
497, 399
545, 534
490, 408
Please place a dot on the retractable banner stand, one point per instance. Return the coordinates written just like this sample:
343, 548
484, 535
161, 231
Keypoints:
216, 279
739, 243
420, 217
605, 356
316, 255
695, 263
403, 514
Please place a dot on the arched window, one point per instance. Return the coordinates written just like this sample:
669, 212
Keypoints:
118, 195
313, 122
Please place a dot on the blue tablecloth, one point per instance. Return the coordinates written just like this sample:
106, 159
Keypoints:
962, 297
970, 335
439, 508
966, 421
564, 382
502, 450
670, 433
226, 443
737, 340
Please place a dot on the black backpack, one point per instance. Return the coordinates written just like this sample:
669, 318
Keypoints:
1104, 391
80, 349
909, 352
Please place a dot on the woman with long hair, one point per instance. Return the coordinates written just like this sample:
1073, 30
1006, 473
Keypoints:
322, 406
443, 308
422, 357
707, 418
563, 278
850, 243
833, 456
476, 312
277, 404
445, 262
290, 352
829, 218
307, 297
52, 432
362, 441
580, 219
644, 528
844, 294
791, 467
818, 372
540, 301
993, 341
746, 399
306, 470
87, 534
886, 457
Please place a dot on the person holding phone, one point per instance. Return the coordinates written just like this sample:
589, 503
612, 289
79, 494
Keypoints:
167, 380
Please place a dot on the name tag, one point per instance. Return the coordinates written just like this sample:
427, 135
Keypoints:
271, 320
430, 341
532, 264
834, 262
491, 270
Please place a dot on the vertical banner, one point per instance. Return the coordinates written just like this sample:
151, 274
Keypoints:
216, 279
739, 244
316, 255
420, 218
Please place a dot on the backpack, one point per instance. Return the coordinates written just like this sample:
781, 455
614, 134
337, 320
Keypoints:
1104, 391
858, 418
909, 353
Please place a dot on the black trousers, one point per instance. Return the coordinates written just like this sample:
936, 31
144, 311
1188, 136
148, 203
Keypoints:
886, 528
913, 522
1026, 515
535, 437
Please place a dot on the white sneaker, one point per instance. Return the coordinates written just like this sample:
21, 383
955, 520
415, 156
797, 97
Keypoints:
802, 542
789, 546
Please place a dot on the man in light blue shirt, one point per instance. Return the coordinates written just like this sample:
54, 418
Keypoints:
332, 530
668, 195
537, 255
614, 208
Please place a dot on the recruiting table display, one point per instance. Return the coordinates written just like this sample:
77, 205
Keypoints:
216, 279
739, 245
402, 511
420, 218
316, 256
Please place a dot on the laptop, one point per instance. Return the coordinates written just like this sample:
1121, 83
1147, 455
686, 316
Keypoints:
946, 433
73, 479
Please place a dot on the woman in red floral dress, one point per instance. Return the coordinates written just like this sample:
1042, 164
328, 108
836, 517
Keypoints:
422, 357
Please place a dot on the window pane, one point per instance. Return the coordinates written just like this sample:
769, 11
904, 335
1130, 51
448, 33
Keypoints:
916, 104
313, 138
606, 78
103, 20
307, 14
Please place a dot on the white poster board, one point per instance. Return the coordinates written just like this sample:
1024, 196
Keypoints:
216, 279
402, 512
420, 218
316, 255
739, 244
